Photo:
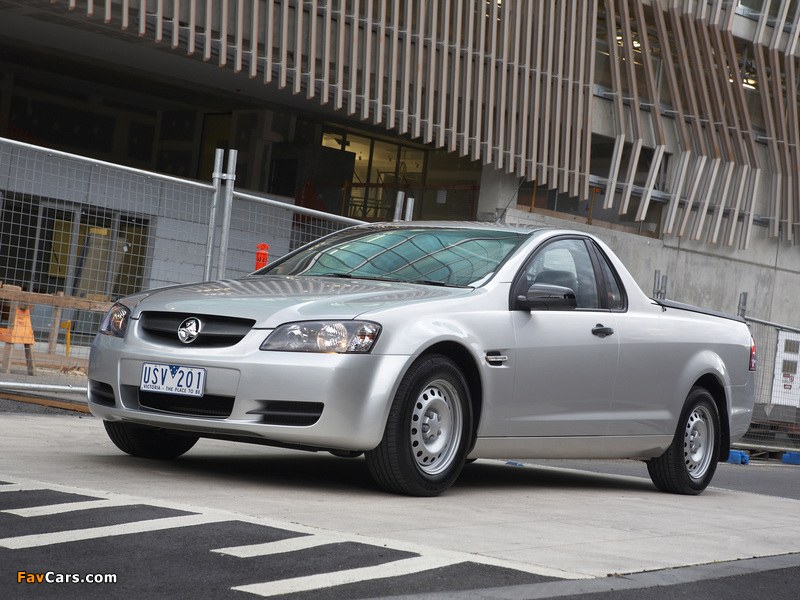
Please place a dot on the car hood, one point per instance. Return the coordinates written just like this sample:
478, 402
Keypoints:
272, 300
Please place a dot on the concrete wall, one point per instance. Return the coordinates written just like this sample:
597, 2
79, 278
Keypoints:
498, 190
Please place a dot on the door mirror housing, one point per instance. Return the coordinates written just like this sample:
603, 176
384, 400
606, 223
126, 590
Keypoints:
544, 296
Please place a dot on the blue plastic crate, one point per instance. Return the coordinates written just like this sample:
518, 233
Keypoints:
793, 458
739, 457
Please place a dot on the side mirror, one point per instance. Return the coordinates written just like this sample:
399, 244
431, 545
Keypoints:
544, 296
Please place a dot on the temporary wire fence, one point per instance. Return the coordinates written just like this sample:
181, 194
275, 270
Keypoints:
264, 228
775, 426
77, 234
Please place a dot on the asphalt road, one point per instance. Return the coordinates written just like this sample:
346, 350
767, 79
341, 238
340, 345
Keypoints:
308, 527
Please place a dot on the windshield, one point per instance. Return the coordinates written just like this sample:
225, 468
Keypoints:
459, 257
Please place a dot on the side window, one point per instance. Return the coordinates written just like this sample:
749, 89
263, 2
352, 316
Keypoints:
615, 300
566, 263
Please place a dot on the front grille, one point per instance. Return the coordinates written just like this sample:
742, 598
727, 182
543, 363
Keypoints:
218, 407
281, 412
216, 332
101, 393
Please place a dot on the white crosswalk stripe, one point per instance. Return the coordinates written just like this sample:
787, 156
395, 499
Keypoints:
280, 547
57, 509
62, 537
22, 487
397, 568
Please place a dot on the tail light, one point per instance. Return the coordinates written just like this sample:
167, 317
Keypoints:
752, 354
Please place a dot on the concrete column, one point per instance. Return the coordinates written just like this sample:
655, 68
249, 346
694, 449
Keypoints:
498, 192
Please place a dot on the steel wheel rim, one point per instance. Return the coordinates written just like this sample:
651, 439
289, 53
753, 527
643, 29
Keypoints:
698, 442
435, 429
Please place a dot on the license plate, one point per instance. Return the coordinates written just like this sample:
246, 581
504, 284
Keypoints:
173, 379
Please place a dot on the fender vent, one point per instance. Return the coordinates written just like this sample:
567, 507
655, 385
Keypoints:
495, 358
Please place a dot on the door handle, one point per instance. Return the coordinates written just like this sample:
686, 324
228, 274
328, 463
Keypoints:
601, 331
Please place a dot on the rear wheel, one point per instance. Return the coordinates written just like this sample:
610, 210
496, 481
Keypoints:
690, 462
428, 432
148, 442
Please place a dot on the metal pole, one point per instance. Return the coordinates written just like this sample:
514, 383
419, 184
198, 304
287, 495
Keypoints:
409, 210
742, 304
398, 206
43, 387
777, 326
217, 178
265, 200
230, 177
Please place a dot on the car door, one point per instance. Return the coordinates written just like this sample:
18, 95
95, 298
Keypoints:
565, 360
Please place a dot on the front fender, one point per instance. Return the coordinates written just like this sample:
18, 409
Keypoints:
474, 335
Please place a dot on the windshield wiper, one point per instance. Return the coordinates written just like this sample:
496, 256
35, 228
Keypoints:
356, 276
390, 279
437, 283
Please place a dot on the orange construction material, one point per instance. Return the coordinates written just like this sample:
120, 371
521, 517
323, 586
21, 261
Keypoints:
19, 331
261, 256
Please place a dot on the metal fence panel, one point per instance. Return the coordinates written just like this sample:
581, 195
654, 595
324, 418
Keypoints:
283, 227
776, 415
77, 234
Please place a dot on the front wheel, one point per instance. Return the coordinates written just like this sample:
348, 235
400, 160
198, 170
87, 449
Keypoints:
690, 462
428, 432
148, 442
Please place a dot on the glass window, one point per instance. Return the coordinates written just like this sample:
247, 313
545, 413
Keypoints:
382, 168
361, 147
460, 257
384, 163
333, 140
614, 299
382, 190
566, 263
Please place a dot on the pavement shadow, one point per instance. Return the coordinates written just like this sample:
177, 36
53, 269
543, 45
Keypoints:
301, 470
322, 472
512, 475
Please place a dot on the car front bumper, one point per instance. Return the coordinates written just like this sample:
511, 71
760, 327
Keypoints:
353, 391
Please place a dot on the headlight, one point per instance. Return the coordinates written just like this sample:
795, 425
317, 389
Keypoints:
116, 321
323, 336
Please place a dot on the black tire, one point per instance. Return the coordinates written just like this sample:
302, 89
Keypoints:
428, 433
148, 442
690, 462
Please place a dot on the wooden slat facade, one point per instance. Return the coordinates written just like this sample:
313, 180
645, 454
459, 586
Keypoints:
511, 83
